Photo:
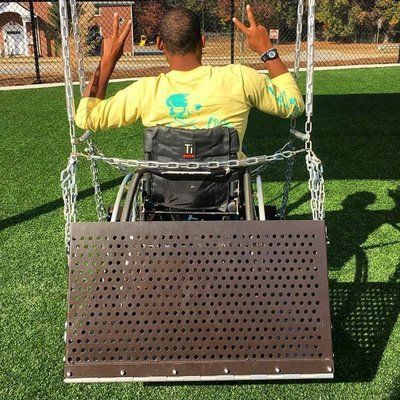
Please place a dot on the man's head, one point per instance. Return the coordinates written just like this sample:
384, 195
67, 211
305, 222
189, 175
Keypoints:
180, 33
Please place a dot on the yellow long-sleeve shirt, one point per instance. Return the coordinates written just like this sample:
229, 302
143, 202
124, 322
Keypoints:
205, 97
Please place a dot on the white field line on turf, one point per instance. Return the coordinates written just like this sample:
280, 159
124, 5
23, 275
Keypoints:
262, 71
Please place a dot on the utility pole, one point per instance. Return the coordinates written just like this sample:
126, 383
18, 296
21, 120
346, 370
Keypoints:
133, 27
35, 44
379, 26
242, 18
232, 26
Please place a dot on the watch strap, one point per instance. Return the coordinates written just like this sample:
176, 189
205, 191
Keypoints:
269, 55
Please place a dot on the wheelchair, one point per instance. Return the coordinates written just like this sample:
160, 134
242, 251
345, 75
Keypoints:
201, 195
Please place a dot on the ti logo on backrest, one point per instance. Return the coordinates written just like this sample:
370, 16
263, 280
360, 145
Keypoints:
189, 151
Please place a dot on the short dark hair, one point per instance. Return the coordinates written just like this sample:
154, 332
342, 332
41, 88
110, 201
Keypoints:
180, 30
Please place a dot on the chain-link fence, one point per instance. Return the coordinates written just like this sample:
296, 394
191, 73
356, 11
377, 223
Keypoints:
360, 32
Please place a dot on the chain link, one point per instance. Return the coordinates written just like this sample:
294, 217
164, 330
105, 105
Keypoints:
68, 176
316, 185
282, 154
70, 193
314, 166
100, 208
297, 53
78, 46
286, 187
296, 67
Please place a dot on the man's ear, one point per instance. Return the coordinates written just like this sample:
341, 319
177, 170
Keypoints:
203, 41
159, 43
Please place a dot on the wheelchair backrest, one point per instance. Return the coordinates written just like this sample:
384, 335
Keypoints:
187, 191
176, 144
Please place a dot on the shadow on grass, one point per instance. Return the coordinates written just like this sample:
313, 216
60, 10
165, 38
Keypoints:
350, 227
363, 313
356, 136
363, 317
51, 206
395, 392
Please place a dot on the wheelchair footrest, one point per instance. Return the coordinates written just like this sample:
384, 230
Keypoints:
225, 300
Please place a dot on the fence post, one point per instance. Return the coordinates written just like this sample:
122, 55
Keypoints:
133, 27
232, 26
35, 46
398, 55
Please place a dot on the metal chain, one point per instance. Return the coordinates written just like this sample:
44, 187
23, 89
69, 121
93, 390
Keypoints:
100, 208
296, 68
70, 192
316, 185
78, 46
314, 167
281, 154
68, 176
310, 72
287, 184
69, 90
297, 53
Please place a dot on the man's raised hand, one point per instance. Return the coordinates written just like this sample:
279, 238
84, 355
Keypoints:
113, 46
257, 35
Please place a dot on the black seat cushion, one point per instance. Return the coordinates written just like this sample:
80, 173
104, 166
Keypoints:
188, 191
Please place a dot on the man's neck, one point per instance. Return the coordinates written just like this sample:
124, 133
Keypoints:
184, 63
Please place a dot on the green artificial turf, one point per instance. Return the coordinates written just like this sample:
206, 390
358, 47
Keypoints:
357, 136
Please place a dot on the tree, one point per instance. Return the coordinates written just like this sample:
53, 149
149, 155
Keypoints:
344, 20
93, 41
209, 11
149, 15
389, 12
85, 13
339, 19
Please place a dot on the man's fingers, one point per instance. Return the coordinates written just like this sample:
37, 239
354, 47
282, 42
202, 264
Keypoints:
115, 25
240, 26
126, 30
250, 15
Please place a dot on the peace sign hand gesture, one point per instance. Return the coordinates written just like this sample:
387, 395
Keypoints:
113, 46
257, 35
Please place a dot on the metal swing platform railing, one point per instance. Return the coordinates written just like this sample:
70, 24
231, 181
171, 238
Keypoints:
228, 300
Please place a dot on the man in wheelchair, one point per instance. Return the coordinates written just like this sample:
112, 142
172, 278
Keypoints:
192, 113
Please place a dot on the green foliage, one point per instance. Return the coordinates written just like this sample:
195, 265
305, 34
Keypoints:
344, 20
85, 13
389, 11
54, 22
338, 19
148, 15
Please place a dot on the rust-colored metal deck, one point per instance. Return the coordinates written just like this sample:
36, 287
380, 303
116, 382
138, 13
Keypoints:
198, 300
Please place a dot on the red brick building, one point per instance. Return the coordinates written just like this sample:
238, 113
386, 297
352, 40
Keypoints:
103, 13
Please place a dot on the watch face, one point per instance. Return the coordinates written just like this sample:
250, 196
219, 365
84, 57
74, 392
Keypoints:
272, 54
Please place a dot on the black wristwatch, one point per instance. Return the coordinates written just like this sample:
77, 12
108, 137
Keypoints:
269, 55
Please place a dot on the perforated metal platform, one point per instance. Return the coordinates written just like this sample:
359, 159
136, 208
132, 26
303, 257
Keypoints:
198, 300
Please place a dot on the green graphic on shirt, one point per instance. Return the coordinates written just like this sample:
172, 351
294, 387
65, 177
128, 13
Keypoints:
270, 88
215, 122
282, 100
296, 108
179, 107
